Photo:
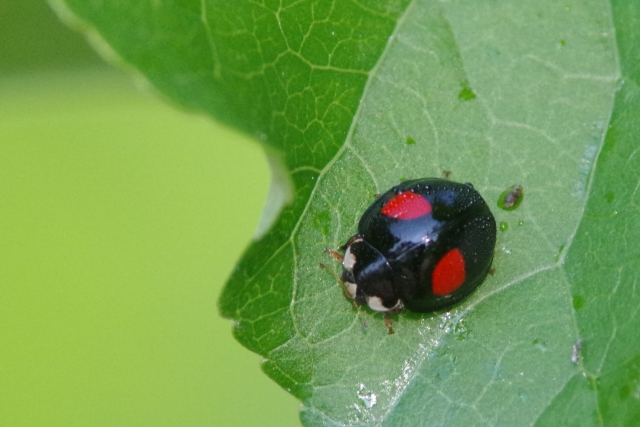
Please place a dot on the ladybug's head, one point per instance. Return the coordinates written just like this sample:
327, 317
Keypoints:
348, 279
367, 277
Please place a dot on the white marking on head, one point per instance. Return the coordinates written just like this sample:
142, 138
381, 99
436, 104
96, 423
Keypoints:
375, 304
350, 289
349, 259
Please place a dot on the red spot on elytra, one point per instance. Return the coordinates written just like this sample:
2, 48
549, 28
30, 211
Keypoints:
406, 205
449, 274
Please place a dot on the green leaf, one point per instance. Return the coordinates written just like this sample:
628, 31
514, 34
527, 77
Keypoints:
349, 98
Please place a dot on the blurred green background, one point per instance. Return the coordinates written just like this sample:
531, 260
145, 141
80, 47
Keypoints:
120, 219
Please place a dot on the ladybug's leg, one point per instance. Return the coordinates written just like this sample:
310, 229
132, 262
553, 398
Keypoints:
355, 304
361, 313
333, 254
388, 323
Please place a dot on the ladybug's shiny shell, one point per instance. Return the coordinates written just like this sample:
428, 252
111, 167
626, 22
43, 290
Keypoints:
424, 245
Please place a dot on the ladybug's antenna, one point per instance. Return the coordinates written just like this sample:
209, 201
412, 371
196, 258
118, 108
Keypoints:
333, 254
344, 290
333, 273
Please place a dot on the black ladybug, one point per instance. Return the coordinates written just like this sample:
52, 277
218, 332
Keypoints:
423, 245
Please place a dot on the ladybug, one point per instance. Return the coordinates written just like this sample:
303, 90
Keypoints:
423, 245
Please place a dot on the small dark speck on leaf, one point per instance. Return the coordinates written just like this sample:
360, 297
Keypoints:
625, 391
539, 345
610, 196
322, 221
410, 141
578, 302
466, 94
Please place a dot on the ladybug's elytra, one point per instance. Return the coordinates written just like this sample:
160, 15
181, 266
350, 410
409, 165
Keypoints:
423, 245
